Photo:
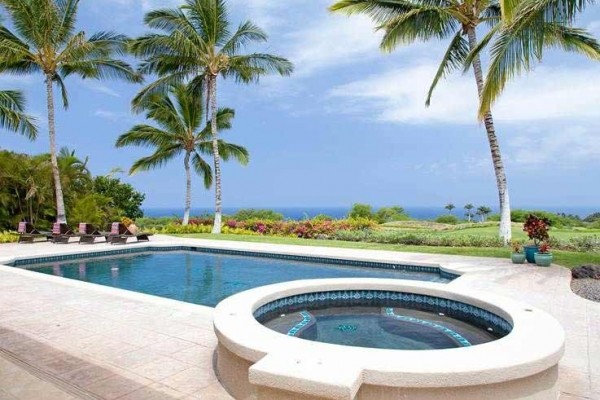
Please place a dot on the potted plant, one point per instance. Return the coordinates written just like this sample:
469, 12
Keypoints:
517, 256
543, 257
537, 230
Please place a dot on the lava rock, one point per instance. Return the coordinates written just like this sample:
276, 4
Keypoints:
586, 272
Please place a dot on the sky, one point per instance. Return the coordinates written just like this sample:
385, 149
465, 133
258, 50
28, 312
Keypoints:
350, 125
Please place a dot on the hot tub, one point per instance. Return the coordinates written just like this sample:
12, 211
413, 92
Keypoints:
384, 339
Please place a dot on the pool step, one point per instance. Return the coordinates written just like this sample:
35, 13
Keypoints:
308, 376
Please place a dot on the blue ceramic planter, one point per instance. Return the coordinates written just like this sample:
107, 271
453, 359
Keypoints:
543, 259
530, 253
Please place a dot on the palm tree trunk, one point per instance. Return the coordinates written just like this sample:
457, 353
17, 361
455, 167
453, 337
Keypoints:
188, 189
505, 225
212, 92
60, 202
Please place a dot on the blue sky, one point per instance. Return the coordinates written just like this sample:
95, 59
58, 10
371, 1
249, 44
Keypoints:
351, 124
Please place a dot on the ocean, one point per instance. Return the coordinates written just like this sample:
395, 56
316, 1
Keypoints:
416, 212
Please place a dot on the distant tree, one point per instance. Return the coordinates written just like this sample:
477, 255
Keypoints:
390, 214
450, 207
123, 197
12, 114
469, 211
249, 213
592, 217
483, 212
361, 211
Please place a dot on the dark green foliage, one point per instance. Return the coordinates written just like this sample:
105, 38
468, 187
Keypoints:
27, 191
592, 217
359, 210
447, 219
122, 196
558, 220
251, 214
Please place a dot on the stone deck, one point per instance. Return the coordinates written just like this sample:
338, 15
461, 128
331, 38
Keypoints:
65, 339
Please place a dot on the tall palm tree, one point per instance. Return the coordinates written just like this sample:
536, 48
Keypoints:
179, 116
197, 43
12, 114
45, 41
414, 20
536, 24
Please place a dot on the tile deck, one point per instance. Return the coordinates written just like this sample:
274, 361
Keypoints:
65, 339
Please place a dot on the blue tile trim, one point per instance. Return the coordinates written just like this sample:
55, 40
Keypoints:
347, 298
321, 260
441, 328
306, 318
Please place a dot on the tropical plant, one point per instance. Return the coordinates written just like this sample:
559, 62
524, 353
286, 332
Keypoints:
45, 41
179, 116
12, 114
537, 228
469, 211
390, 214
544, 248
198, 44
450, 207
517, 246
421, 20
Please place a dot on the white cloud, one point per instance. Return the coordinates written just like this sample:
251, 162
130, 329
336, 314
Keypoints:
112, 116
399, 96
333, 41
100, 88
568, 146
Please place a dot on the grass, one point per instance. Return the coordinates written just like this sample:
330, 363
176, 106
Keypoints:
568, 259
487, 229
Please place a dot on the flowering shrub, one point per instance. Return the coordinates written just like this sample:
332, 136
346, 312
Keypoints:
537, 228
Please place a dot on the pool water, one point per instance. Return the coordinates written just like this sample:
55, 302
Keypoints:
205, 278
381, 327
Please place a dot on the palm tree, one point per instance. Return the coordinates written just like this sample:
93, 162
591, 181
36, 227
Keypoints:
181, 131
12, 114
483, 212
469, 211
450, 207
410, 21
197, 44
528, 27
45, 41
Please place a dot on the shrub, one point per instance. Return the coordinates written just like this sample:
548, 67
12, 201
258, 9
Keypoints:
248, 214
390, 214
323, 217
447, 219
8, 237
359, 210
595, 217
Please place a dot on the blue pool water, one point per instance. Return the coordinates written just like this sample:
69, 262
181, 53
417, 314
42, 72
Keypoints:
400, 328
204, 278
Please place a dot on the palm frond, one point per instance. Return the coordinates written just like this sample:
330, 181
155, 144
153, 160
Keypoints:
246, 33
146, 136
203, 169
159, 158
12, 114
453, 60
249, 68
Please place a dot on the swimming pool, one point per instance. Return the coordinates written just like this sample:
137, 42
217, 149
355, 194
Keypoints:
201, 276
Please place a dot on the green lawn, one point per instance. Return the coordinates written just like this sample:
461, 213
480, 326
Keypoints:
484, 230
566, 258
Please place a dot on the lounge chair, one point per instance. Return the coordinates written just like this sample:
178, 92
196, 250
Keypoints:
88, 234
28, 233
119, 234
62, 233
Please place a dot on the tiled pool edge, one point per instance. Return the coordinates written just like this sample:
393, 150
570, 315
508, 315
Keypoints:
20, 261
